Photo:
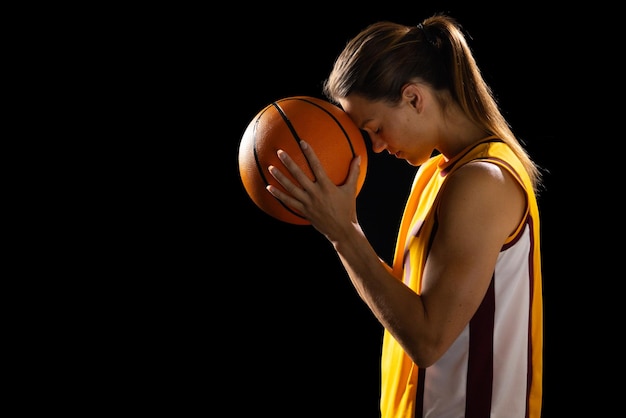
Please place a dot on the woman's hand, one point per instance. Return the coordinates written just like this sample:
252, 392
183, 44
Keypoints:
330, 208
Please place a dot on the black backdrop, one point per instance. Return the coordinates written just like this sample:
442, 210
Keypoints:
316, 346
265, 319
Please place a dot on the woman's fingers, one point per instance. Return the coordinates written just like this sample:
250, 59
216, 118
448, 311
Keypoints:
304, 188
284, 181
296, 171
295, 193
353, 174
314, 162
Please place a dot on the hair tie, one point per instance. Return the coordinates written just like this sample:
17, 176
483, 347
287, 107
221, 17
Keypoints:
429, 38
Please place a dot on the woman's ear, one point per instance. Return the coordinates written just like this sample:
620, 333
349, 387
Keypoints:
412, 94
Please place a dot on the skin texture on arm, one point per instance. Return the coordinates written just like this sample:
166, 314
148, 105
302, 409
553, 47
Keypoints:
480, 207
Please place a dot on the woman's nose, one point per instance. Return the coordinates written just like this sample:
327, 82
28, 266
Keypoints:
370, 138
378, 145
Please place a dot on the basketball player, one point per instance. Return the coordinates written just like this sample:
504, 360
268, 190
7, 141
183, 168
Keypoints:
461, 304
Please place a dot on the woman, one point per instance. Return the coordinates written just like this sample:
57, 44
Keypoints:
461, 304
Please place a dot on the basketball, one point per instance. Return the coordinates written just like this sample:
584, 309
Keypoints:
334, 137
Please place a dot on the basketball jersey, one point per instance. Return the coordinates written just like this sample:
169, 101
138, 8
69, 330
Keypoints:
494, 367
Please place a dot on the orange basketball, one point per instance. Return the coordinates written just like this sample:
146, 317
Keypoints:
334, 137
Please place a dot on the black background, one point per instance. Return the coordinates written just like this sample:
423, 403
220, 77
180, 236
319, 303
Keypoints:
316, 345
260, 314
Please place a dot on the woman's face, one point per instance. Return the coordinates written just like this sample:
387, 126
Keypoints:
400, 129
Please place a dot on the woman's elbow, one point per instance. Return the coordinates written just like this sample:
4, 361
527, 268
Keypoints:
425, 354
